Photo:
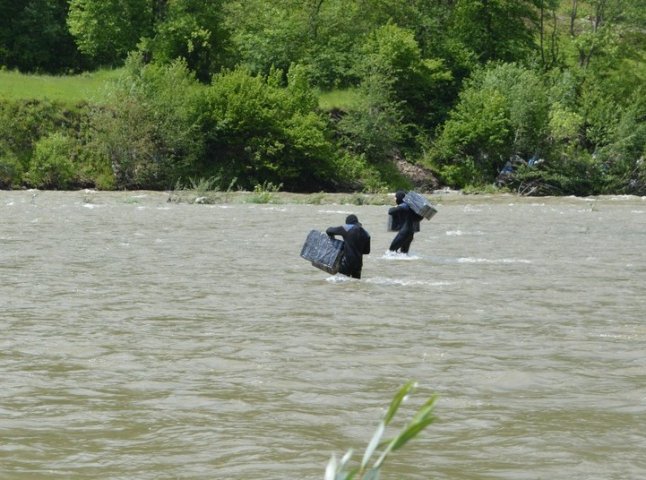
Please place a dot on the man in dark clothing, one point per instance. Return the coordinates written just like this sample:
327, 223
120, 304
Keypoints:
356, 245
404, 218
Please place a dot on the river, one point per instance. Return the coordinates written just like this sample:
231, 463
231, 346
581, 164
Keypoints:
146, 339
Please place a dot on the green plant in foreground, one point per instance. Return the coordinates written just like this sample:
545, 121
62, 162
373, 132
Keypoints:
265, 192
339, 470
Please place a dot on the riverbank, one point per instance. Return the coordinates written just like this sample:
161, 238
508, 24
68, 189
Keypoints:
437, 197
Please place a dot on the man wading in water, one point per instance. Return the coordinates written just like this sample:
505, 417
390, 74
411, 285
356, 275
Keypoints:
404, 219
356, 245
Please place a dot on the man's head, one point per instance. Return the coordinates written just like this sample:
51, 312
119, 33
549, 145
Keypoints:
351, 219
399, 196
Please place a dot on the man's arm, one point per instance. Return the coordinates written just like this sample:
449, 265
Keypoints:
331, 231
366, 245
398, 208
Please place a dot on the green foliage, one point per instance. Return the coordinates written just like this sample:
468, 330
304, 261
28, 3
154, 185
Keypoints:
495, 29
265, 192
339, 100
259, 131
10, 168
192, 30
69, 90
624, 153
376, 126
392, 54
503, 110
34, 37
372, 461
578, 175
148, 131
23, 123
419, 73
106, 30
318, 35
52, 166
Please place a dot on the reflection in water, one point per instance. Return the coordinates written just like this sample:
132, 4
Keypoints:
149, 340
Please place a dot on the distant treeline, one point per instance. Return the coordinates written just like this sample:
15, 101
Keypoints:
534, 96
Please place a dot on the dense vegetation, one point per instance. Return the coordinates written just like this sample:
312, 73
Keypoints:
549, 92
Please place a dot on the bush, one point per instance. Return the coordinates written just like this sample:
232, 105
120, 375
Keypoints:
52, 166
259, 131
580, 175
375, 127
10, 169
148, 130
418, 84
503, 111
24, 122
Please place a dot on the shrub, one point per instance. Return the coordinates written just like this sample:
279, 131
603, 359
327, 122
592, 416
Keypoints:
10, 168
259, 131
502, 111
52, 166
148, 130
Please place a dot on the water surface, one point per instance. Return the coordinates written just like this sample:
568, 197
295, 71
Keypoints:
143, 339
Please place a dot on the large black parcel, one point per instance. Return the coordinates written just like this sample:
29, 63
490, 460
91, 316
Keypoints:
420, 205
323, 251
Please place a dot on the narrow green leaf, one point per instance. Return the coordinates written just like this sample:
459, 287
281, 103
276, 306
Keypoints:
398, 399
373, 444
349, 475
346, 458
425, 410
410, 433
372, 474
330, 470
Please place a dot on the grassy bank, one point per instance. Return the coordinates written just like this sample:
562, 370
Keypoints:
67, 88
90, 85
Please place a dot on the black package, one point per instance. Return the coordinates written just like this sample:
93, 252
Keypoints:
324, 252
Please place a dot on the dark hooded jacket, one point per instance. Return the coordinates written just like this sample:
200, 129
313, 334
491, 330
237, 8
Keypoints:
356, 245
404, 219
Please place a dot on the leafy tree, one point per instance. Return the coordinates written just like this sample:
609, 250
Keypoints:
598, 27
147, 131
52, 166
259, 131
34, 36
418, 83
495, 29
375, 127
548, 33
10, 167
503, 111
192, 30
107, 30
319, 34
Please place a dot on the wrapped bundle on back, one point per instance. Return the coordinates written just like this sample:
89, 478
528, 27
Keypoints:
420, 205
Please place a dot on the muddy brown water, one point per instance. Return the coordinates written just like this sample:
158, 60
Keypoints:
143, 339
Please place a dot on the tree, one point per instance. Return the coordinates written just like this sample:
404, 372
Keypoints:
495, 29
259, 131
192, 30
106, 30
418, 83
34, 37
148, 130
503, 111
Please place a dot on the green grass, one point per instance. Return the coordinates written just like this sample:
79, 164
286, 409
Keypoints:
67, 89
89, 86
345, 99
